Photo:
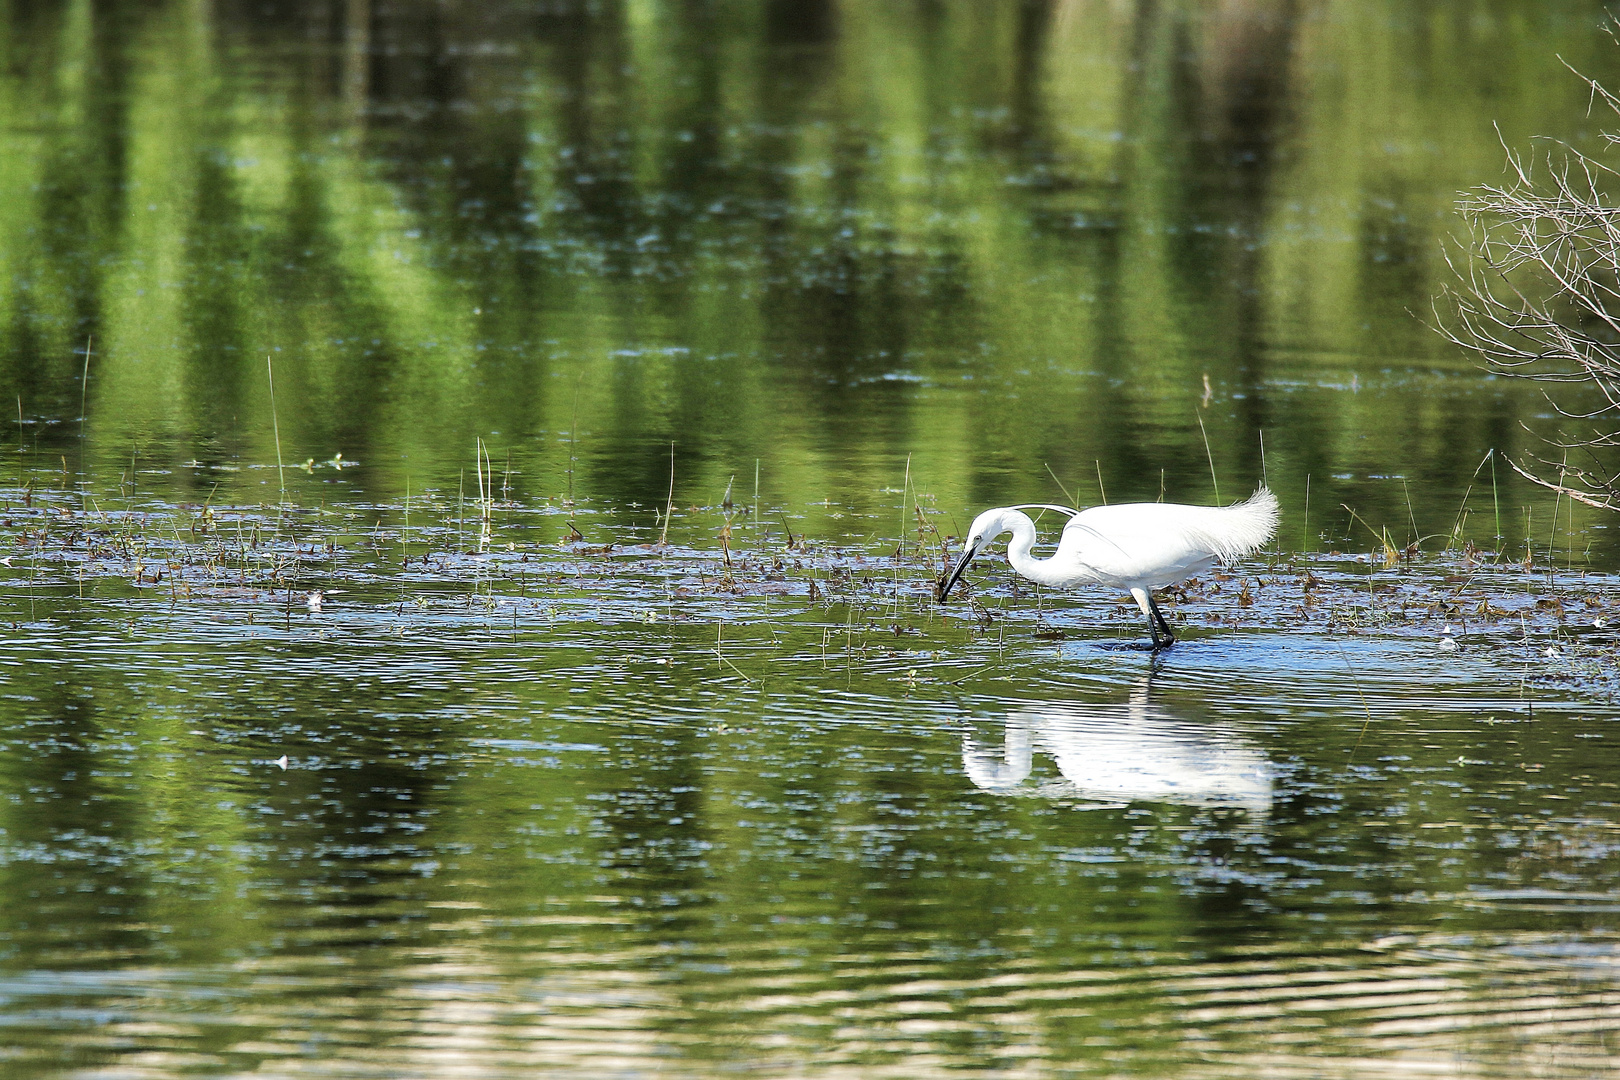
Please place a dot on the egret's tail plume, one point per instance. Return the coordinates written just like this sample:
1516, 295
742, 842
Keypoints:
1236, 530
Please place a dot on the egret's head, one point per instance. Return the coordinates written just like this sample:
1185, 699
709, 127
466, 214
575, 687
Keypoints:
986, 527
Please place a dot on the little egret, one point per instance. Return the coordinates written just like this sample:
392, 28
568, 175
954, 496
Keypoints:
1132, 546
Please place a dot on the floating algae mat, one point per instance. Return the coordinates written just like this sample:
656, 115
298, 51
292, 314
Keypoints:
285, 793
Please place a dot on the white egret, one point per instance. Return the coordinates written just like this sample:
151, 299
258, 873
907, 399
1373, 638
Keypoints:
1136, 547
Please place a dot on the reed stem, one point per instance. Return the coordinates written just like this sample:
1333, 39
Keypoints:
275, 423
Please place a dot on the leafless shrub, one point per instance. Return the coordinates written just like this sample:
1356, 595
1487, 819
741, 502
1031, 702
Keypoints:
1537, 296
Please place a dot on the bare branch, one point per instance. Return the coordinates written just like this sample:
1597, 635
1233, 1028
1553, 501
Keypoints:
1536, 295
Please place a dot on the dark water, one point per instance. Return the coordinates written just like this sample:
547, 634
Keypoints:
499, 804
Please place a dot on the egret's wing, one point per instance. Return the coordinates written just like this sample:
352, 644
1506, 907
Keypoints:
1153, 544
1135, 543
1071, 511
1086, 533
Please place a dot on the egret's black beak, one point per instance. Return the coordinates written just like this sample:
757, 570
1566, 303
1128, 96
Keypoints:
949, 580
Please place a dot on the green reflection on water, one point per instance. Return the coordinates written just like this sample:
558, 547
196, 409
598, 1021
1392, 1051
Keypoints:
991, 238
594, 840
865, 249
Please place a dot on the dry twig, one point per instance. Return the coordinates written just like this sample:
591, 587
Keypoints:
1537, 296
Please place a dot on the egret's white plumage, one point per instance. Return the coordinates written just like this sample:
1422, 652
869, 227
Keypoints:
1136, 547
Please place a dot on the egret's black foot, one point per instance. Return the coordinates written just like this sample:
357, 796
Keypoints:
1124, 646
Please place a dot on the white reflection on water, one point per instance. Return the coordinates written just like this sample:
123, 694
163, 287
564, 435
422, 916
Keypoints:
1125, 752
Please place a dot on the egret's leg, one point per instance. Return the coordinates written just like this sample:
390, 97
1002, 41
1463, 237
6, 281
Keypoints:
1151, 611
1164, 624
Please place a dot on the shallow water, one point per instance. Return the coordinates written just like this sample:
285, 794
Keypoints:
552, 808
533, 668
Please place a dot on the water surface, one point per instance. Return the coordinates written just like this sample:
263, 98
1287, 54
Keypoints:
355, 721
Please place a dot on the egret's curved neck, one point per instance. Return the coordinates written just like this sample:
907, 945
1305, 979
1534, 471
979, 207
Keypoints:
1015, 764
1018, 552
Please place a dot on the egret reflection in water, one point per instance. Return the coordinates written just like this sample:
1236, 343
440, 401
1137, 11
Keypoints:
1128, 751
